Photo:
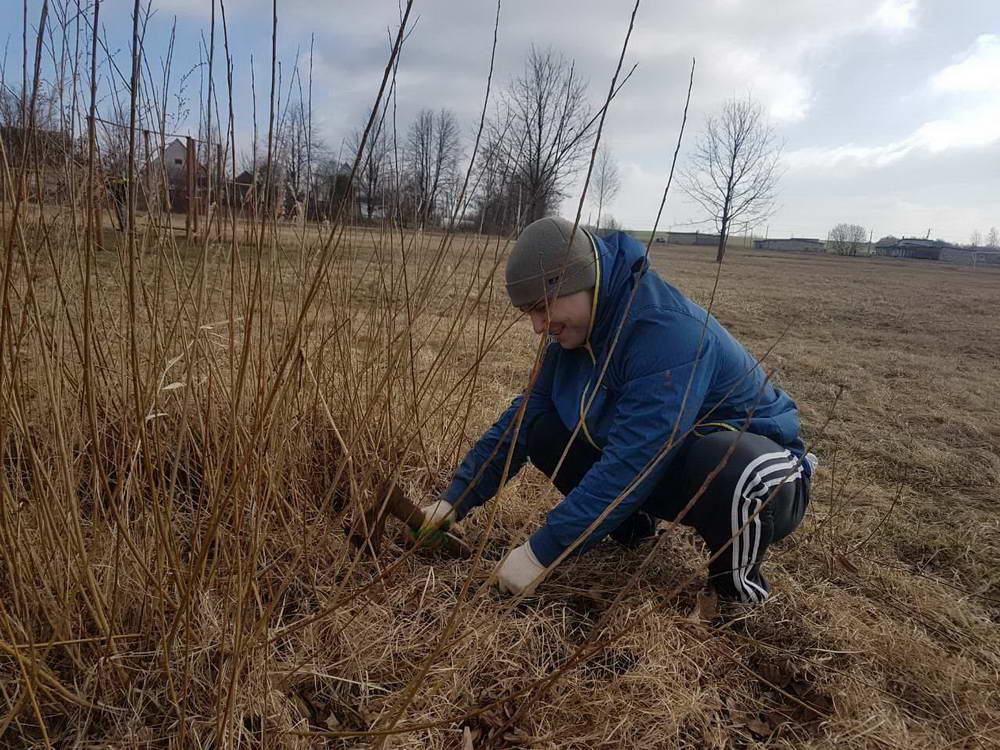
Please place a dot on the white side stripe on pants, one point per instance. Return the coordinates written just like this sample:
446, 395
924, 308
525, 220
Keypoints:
758, 479
758, 498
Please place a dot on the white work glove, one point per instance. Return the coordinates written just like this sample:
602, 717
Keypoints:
438, 516
518, 572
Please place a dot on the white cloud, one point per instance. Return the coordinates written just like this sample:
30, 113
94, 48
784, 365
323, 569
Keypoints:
789, 97
968, 129
978, 69
851, 155
895, 16
781, 75
972, 123
975, 121
785, 90
972, 128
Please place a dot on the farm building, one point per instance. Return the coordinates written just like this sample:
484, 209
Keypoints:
971, 256
794, 244
690, 238
911, 247
921, 249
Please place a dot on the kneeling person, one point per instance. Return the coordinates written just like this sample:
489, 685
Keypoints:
674, 377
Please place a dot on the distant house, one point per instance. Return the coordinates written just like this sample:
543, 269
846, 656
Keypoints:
168, 169
794, 244
173, 161
241, 188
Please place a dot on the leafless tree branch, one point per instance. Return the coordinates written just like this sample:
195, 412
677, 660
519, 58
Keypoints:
734, 170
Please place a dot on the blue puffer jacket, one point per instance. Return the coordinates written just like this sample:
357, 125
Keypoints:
664, 346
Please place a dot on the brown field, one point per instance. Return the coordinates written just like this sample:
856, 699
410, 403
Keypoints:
174, 487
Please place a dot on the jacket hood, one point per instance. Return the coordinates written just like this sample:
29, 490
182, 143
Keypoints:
622, 261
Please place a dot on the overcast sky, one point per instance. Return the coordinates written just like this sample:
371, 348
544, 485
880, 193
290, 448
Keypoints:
889, 110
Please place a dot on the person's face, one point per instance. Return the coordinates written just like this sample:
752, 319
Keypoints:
567, 318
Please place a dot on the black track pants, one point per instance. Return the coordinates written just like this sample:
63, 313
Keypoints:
758, 497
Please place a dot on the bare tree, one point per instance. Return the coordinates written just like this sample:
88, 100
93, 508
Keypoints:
331, 187
299, 150
432, 156
847, 239
451, 185
495, 193
541, 129
373, 171
48, 113
39, 132
992, 239
733, 173
605, 181
611, 224
976, 238
12, 108
447, 152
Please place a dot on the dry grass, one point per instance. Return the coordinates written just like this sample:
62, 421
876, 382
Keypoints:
185, 429
175, 572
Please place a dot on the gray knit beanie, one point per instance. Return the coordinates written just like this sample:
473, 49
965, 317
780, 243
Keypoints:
543, 260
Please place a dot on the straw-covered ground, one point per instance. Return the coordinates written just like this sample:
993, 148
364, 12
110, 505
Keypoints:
181, 450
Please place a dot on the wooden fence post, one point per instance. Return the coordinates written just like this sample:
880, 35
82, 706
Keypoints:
220, 193
99, 216
191, 223
146, 191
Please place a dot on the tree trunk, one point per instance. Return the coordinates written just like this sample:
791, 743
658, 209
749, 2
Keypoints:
723, 236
